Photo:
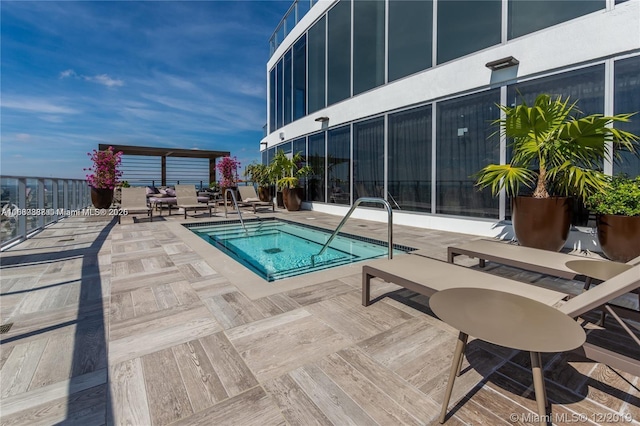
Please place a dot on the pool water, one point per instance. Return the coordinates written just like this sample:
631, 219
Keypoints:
277, 249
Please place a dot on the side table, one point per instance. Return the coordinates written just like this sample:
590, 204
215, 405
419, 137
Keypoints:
508, 320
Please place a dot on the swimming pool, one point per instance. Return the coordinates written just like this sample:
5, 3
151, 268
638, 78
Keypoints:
277, 249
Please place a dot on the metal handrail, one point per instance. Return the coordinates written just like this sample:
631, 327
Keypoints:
235, 203
344, 220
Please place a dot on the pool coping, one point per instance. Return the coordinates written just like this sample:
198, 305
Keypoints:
250, 284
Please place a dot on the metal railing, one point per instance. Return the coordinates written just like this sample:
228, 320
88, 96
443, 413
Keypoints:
346, 217
29, 203
235, 203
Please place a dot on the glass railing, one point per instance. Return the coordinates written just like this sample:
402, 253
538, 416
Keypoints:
298, 9
29, 203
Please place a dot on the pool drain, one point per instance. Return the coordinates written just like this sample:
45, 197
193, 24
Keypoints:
272, 250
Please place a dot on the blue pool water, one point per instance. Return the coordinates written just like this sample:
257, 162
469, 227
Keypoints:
276, 249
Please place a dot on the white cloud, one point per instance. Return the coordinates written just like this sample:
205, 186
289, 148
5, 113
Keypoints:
67, 73
36, 105
103, 79
23, 137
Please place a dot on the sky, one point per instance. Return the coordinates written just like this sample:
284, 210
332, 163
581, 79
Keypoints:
179, 74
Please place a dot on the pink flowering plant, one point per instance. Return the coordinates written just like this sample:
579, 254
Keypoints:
228, 168
105, 173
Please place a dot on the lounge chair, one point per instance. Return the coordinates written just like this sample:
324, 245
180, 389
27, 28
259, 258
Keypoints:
561, 265
427, 276
134, 200
187, 199
249, 197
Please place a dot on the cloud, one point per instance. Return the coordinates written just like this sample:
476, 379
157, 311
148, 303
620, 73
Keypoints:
23, 137
36, 105
103, 79
67, 73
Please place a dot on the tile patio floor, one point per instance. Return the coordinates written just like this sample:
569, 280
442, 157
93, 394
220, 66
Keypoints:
141, 324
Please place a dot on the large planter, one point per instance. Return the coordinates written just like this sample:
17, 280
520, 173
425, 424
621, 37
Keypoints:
619, 236
263, 193
542, 223
101, 198
292, 198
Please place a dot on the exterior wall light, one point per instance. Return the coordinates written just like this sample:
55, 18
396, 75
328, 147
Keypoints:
281, 136
263, 144
507, 62
322, 119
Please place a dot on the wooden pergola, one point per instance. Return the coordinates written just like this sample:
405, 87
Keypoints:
163, 153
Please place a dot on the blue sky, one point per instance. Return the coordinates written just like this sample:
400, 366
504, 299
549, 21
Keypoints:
175, 74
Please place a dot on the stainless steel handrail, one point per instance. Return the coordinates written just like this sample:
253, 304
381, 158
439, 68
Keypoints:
344, 220
235, 203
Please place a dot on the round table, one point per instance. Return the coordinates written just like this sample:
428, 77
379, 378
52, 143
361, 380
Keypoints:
508, 320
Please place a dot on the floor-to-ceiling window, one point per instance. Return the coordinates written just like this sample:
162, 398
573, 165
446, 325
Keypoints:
299, 147
466, 142
300, 78
626, 100
316, 58
287, 101
339, 52
527, 16
409, 159
467, 26
317, 160
272, 100
410, 37
368, 44
368, 158
339, 164
279, 94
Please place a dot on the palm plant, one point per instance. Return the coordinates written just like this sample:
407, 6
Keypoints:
288, 171
553, 150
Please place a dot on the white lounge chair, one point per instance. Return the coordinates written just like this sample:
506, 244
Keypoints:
134, 200
187, 199
249, 197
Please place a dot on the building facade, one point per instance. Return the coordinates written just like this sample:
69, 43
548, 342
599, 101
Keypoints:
395, 99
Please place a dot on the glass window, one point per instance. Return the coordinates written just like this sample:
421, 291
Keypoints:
272, 100
300, 147
626, 100
368, 158
339, 53
339, 164
410, 37
287, 104
368, 45
300, 78
584, 85
317, 161
409, 160
527, 16
467, 26
279, 97
271, 152
317, 47
265, 160
466, 142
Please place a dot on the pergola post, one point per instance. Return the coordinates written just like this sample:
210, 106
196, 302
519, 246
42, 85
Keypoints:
163, 170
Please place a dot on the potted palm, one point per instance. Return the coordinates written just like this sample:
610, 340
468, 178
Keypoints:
104, 176
618, 218
288, 172
556, 155
260, 174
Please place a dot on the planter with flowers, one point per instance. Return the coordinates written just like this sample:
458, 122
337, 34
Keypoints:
228, 168
104, 176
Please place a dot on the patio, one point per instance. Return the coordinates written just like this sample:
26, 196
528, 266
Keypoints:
144, 323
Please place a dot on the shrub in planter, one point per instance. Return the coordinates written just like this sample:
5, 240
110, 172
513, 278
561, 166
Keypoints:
617, 211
